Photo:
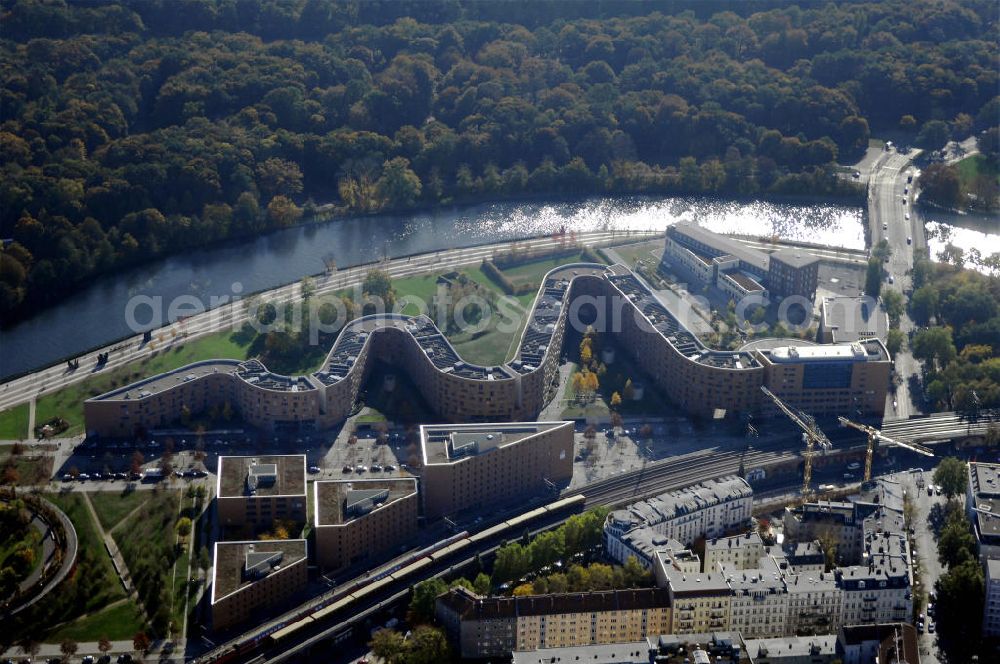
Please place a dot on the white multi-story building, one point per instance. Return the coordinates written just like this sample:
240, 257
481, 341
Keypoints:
759, 600
880, 589
710, 509
991, 607
982, 500
736, 552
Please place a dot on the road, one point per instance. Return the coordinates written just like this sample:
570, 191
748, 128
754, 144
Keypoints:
892, 216
31, 386
924, 548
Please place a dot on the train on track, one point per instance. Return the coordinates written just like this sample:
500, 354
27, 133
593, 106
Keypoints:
287, 632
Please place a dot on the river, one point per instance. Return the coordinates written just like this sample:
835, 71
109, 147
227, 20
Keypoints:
95, 316
977, 235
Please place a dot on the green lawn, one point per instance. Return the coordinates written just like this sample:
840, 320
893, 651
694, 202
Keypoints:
116, 623
68, 402
14, 423
99, 568
146, 541
977, 164
633, 252
112, 507
30, 469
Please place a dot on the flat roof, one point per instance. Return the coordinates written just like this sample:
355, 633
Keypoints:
163, 381
289, 478
338, 502
984, 483
633, 652
852, 318
792, 646
829, 352
230, 574
794, 257
451, 443
720, 243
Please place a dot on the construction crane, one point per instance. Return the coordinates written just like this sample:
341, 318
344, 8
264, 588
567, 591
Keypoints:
875, 436
810, 433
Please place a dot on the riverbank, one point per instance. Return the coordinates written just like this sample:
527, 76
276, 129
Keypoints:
95, 316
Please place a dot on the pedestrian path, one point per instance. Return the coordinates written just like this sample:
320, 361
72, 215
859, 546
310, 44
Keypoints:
112, 547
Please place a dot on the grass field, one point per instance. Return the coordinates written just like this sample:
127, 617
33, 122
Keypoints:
146, 541
95, 584
112, 507
971, 167
68, 402
119, 622
646, 251
30, 469
14, 423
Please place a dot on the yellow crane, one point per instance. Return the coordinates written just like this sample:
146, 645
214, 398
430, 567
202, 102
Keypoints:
874, 437
810, 433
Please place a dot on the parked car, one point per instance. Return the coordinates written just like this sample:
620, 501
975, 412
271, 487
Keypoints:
376, 468
314, 470
348, 469
389, 468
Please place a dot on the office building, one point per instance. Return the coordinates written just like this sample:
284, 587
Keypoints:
249, 579
991, 607
982, 502
846, 319
699, 380
252, 492
477, 466
355, 520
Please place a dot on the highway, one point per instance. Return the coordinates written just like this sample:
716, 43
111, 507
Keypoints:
231, 316
892, 216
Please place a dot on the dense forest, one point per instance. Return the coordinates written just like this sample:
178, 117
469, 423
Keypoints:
137, 128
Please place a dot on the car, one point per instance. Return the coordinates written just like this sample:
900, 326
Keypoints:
179, 473
348, 469
121, 476
67, 477
360, 469
124, 658
389, 468
885, 226
909, 240
89, 659
907, 216
930, 490
932, 596
930, 608
83, 477
856, 174
920, 628
909, 179
376, 468
313, 470
906, 190
904, 201
104, 659
930, 628
892, 279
